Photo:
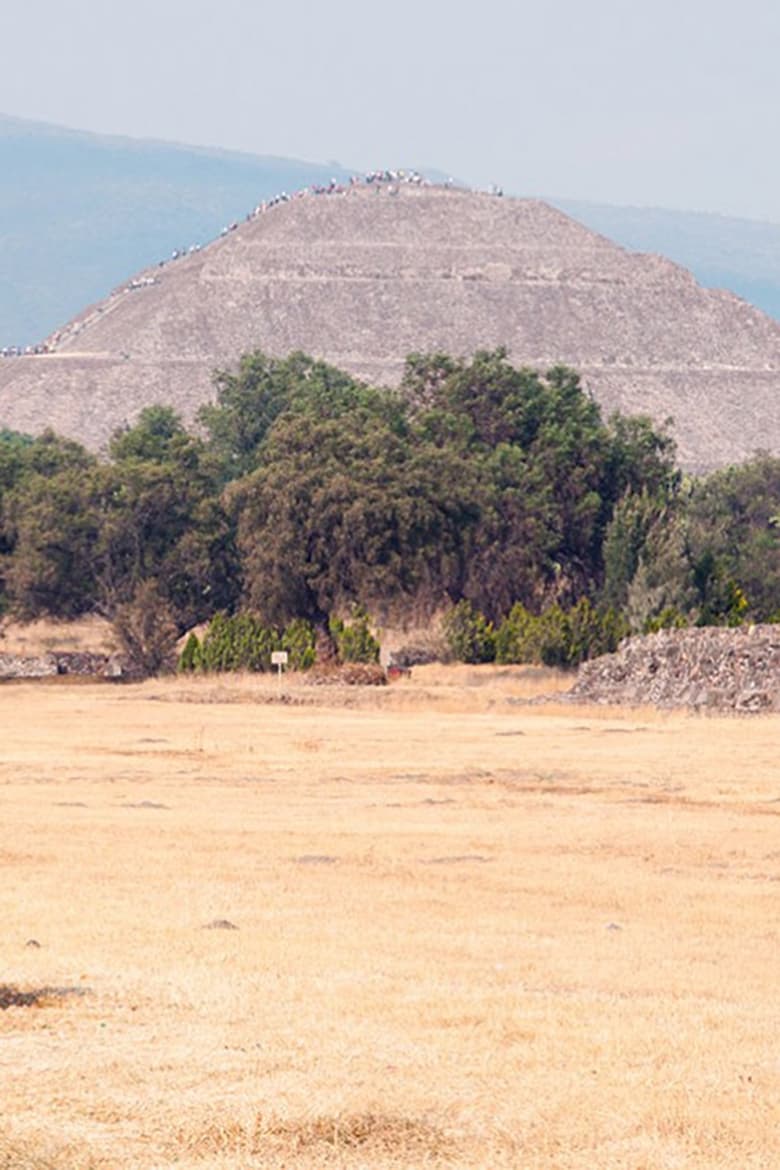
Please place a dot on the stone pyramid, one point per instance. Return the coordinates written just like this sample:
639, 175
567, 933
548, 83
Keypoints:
364, 275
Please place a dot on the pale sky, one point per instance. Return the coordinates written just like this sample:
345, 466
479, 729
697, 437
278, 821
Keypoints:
671, 103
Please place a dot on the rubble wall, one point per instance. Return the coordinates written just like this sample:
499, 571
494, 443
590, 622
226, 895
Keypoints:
27, 666
721, 669
83, 663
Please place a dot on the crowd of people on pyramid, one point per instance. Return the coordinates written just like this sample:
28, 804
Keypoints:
389, 181
376, 179
9, 351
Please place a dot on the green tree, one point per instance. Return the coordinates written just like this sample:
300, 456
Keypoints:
53, 527
83, 538
552, 471
470, 637
354, 640
191, 657
263, 388
345, 510
158, 436
625, 537
480, 481
713, 555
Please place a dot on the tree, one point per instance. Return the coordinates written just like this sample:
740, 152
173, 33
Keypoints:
158, 436
469, 635
712, 556
626, 535
734, 542
251, 400
553, 470
344, 510
53, 526
480, 481
146, 630
83, 538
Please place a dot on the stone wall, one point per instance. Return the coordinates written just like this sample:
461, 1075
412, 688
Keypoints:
60, 662
27, 666
721, 669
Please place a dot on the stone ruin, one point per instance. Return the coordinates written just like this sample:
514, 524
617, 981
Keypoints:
708, 668
365, 278
61, 662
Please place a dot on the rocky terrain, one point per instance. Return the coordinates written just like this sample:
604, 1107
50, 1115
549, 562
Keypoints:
363, 277
713, 668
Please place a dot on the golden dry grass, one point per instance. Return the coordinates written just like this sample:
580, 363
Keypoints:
470, 932
38, 637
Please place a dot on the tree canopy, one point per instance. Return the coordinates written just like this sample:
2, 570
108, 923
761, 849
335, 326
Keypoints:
305, 491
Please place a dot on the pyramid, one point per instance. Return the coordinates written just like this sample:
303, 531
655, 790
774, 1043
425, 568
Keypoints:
365, 275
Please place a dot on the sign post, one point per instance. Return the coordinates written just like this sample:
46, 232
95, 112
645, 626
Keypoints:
279, 660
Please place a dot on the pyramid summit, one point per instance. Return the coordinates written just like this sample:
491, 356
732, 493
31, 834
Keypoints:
363, 275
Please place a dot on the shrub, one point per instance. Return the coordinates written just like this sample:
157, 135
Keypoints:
191, 657
614, 628
354, 642
593, 632
554, 637
298, 639
469, 635
419, 653
146, 631
244, 642
559, 637
517, 637
669, 618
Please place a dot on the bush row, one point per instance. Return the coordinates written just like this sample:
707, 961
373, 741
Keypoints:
242, 641
556, 637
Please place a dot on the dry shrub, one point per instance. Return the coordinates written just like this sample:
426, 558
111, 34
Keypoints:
421, 652
414, 1140
11, 996
350, 674
374, 1133
218, 1137
411, 1140
146, 630
39, 1154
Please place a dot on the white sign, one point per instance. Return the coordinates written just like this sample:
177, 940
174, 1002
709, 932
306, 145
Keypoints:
278, 658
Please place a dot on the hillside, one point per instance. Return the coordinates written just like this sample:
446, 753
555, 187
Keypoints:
365, 277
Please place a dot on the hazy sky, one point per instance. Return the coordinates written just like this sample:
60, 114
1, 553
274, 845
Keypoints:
672, 103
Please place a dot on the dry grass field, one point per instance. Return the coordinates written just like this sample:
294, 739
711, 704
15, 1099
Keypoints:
38, 637
466, 931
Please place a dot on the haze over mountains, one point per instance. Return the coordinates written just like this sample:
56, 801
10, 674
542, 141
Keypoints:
80, 213
362, 278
